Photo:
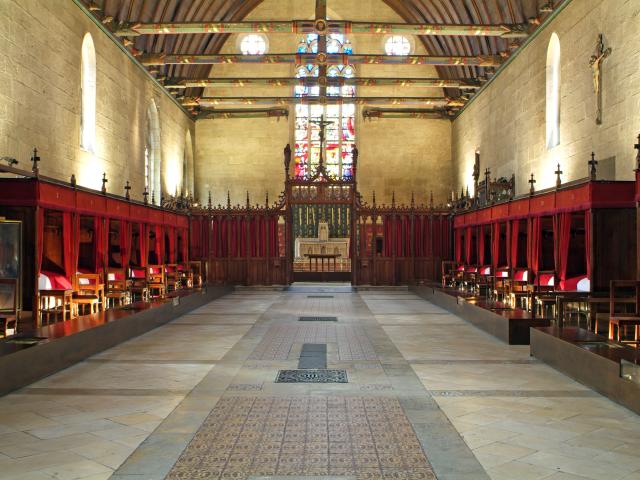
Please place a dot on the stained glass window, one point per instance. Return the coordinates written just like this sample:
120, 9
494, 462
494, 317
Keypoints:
340, 134
253, 44
397, 45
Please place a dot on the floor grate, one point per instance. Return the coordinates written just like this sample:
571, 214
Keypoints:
312, 376
317, 319
320, 296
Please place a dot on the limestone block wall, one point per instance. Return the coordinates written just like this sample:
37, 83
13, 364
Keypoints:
398, 155
40, 99
506, 122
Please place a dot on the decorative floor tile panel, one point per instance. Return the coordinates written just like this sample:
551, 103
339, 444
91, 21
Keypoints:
255, 449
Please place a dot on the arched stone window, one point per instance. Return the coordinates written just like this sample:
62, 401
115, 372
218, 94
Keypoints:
153, 158
553, 92
188, 167
88, 91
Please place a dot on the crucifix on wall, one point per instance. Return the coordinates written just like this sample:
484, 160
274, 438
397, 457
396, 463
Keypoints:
596, 65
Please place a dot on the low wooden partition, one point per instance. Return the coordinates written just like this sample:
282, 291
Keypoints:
511, 325
58, 346
607, 367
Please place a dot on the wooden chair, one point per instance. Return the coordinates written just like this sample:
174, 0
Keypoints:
196, 273
88, 290
172, 277
501, 283
156, 281
449, 272
623, 320
55, 297
118, 287
186, 275
543, 293
138, 284
9, 310
519, 287
483, 281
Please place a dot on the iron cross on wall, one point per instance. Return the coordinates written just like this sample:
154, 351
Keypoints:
596, 65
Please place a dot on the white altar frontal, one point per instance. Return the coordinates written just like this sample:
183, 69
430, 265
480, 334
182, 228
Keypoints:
323, 245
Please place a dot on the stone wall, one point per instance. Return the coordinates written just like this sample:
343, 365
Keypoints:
40, 59
506, 122
400, 155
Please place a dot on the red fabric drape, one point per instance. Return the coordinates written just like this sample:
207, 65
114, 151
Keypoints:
427, 240
223, 244
274, 242
143, 239
535, 240
418, 250
467, 246
159, 244
171, 233
563, 240
125, 243
407, 236
195, 241
459, 245
495, 245
40, 241
515, 233
587, 241
399, 243
99, 242
68, 244
481, 245
243, 237
233, 246
387, 227
185, 245
437, 233
262, 237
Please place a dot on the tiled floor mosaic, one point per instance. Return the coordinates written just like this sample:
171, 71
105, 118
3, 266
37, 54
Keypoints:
370, 438
352, 342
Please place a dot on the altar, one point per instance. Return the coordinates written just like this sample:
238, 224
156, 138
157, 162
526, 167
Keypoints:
323, 245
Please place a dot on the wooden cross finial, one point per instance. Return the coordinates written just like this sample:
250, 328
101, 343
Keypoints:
637, 147
374, 199
287, 160
266, 199
431, 199
104, 182
35, 159
467, 194
209, 204
145, 196
558, 172
532, 182
72, 180
592, 164
413, 200
127, 187
248, 203
228, 199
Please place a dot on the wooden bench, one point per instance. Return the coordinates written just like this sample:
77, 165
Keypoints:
623, 320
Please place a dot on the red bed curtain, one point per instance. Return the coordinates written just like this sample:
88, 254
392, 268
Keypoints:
274, 247
563, 224
185, 245
513, 250
481, 245
458, 245
40, 240
144, 245
535, 233
427, 240
467, 246
125, 243
495, 245
171, 233
100, 242
68, 244
195, 241
587, 241
399, 243
159, 245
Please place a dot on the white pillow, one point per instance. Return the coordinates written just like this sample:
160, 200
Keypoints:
43, 282
584, 285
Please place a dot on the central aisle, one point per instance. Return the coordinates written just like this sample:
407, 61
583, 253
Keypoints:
381, 424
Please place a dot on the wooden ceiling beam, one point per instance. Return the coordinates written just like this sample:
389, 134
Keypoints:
314, 81
331, 27
318, 59
329, 100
